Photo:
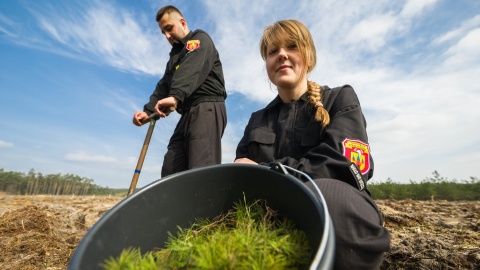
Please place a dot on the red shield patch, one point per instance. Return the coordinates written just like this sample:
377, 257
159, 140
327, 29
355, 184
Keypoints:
193, 45
357, 152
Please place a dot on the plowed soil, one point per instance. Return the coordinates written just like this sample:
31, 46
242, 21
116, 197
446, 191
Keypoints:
42, 232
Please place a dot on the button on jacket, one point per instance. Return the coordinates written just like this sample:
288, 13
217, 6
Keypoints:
191, 75
288, 133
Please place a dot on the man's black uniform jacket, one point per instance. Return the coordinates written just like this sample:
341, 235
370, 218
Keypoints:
193, 74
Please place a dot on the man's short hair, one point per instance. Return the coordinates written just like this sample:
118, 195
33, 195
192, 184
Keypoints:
167, 10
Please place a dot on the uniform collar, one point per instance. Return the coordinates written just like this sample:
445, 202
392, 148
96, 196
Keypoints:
278, 101
186, 38
182, 42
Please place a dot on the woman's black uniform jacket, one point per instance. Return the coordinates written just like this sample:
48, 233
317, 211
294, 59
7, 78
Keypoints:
193, 74
289, 134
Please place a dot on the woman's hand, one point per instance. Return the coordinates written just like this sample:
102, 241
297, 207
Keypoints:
245, 161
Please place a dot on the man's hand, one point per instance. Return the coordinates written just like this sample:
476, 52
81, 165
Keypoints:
245, 160
138, 117
163, 106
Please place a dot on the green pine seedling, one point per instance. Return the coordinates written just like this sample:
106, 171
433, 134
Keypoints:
131, 258
250, 236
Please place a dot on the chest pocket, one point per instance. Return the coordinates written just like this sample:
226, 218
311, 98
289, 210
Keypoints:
261, 145
311, 136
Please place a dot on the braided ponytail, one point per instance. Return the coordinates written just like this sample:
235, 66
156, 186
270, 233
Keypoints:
315, 100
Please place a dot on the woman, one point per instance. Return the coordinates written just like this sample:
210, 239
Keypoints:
321, 132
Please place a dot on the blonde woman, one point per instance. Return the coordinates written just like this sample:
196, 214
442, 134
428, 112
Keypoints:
320, 131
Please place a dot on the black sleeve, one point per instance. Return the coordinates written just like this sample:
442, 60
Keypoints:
194, 68
161, 91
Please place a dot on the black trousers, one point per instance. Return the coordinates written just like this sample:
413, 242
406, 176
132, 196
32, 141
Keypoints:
361, 240
196, 140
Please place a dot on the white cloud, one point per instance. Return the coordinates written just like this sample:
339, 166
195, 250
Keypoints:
415, 7
4, 144
340, 40
122, 102
237, 44
84, 157
231, 138
465, 26
371, 32
7, 26
465, 53
101, 33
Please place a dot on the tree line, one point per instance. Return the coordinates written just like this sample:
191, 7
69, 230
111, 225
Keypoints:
34, 183
435, 187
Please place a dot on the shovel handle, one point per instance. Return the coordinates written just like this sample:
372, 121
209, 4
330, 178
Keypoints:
152, 118
143, 153
155, 116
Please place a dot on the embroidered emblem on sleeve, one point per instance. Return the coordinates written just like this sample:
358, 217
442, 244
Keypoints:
358, 153
193, 45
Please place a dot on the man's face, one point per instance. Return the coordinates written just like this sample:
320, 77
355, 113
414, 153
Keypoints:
173, 26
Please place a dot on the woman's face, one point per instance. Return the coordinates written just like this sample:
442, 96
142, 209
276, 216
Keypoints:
285, 66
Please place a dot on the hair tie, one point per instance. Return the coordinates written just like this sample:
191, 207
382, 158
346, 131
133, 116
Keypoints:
318, 104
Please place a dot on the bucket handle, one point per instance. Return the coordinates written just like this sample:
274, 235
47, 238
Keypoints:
279, 167
328, 225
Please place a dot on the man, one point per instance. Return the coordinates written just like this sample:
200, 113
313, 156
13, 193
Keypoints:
193, 83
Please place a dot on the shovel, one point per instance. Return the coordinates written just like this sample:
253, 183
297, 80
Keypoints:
153, 118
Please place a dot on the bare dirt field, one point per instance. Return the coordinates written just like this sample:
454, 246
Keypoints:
42, 232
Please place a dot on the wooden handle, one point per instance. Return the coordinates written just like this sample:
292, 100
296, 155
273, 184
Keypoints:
155, 114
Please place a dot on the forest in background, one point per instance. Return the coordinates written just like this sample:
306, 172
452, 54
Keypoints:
435, 187
34, 183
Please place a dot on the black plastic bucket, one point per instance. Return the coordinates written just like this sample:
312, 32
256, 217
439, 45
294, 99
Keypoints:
144, 218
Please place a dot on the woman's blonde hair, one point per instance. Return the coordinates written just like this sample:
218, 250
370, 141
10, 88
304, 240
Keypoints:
292, 31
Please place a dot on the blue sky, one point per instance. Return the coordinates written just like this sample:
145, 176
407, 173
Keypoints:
72, 73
